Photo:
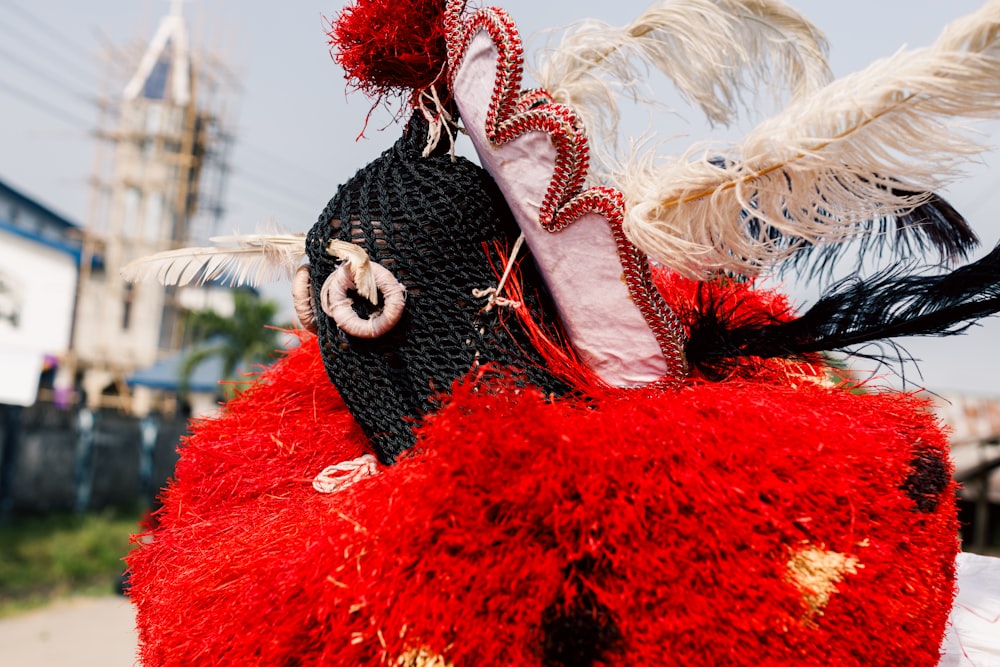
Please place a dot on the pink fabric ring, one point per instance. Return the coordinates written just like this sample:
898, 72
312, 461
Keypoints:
337, 304
302, 298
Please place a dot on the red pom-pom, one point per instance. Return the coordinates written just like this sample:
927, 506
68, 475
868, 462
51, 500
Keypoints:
390, 46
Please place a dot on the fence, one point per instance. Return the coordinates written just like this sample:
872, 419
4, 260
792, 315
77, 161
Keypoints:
79, 459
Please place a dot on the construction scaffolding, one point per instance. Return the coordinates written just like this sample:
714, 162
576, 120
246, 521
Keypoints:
159, 181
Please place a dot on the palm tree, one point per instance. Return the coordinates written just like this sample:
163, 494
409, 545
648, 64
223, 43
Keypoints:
250, 336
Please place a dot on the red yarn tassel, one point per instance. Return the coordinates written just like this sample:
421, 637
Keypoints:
390, 46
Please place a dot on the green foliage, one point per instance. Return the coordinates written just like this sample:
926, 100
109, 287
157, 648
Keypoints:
246, 339
56, 555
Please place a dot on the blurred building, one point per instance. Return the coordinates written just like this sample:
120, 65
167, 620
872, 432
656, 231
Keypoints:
77, 458
72, 331
973, 424
161, 190
39, 259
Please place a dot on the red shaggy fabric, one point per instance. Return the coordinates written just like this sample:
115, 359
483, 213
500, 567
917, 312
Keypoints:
390, 46
685, 297
741, 303
740, 296
675, 514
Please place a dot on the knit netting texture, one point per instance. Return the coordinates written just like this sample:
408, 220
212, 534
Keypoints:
439, 225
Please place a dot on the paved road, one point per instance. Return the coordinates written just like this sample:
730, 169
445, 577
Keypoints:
78, 632
100, 632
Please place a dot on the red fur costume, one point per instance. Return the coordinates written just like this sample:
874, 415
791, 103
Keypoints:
781, 516
752, 522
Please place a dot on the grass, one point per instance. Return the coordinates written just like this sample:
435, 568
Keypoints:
47, 557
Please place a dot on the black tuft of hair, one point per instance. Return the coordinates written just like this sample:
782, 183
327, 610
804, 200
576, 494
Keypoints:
933, 225
579, 631
930, 477
896, 302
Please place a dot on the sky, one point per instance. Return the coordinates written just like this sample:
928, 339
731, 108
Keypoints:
296, 125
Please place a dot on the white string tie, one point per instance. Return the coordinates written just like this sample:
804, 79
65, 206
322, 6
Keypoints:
342, 475
493, 293
438, 119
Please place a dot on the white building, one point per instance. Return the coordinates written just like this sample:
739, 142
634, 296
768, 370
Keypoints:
39, 259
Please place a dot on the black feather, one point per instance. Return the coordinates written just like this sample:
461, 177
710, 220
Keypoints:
932, 226
893, 303
937, 225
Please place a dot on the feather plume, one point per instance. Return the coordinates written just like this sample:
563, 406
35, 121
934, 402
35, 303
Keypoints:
237, 260
891, 304
767, 44
252, 260
933, 225
869, 146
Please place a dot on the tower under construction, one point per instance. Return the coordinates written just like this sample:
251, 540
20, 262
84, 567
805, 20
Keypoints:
158, 184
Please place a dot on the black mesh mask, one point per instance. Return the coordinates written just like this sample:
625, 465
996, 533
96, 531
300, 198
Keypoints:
433, 222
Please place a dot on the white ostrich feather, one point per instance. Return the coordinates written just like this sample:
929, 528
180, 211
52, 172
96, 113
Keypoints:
825, 164
237, 260
711, 49
251, 260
